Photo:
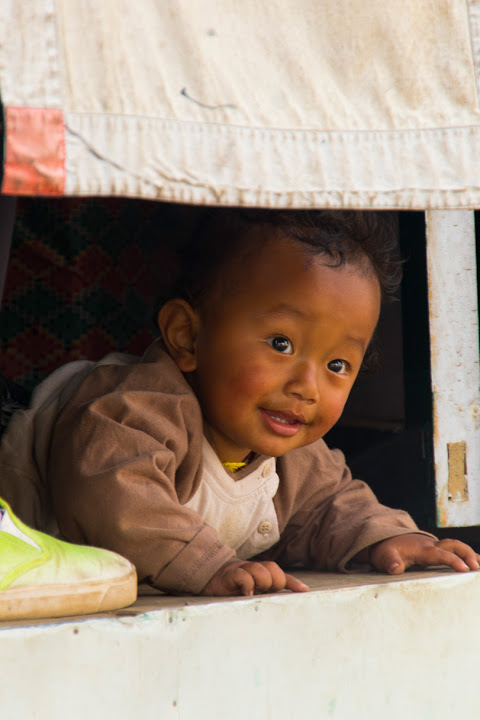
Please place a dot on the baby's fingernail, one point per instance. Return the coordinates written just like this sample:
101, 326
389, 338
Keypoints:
393, 567
304, 587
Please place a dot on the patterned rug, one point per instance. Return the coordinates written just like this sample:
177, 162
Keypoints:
82, 278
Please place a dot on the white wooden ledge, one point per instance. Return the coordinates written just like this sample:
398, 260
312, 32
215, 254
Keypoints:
358, 647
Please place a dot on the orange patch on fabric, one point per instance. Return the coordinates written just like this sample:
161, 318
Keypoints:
34, 152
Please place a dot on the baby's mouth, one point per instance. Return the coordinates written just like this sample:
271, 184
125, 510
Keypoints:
282, 423
282, 418
279, 419
285, 417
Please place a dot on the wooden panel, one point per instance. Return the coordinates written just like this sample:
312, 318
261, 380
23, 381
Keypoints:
453, 310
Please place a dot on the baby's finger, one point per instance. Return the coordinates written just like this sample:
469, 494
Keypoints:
465, 552
386, 558
278, 579
239, 579
262, 577
294, 584
435, 555
282, 581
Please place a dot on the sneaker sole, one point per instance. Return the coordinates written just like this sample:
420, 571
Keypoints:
49, 601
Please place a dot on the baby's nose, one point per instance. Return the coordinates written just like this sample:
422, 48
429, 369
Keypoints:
304, 382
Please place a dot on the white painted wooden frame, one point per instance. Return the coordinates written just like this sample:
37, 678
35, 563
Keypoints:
454, 344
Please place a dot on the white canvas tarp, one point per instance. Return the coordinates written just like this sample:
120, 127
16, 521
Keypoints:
286, 103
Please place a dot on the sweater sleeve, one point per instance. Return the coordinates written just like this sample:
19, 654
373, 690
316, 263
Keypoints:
123, 459
325, 516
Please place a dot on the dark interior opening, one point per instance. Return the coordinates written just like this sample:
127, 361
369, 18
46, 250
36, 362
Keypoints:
81, 281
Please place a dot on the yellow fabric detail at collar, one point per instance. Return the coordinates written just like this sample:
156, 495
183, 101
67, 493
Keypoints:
233, 466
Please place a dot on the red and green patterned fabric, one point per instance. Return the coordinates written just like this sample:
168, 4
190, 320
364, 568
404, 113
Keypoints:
82, 278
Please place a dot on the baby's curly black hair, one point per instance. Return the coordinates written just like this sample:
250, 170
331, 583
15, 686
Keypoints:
367, 239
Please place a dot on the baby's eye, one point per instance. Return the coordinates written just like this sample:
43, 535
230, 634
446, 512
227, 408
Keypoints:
341, 367
281, 344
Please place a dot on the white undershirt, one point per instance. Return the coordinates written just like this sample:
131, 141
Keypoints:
241, 511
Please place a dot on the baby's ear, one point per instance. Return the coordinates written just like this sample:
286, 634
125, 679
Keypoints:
178, 323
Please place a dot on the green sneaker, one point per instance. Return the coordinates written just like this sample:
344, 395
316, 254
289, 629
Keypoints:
41, 576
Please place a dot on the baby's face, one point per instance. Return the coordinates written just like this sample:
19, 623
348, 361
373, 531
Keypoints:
276, 358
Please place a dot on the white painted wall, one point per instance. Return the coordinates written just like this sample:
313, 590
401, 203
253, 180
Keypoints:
385, 651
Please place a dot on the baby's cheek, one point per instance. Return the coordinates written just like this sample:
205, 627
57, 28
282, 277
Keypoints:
333, 411
249, 383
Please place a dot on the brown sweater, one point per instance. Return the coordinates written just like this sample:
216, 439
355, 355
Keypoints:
124, 455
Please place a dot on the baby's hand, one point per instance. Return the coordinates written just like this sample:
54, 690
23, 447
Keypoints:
399, 553
241, 577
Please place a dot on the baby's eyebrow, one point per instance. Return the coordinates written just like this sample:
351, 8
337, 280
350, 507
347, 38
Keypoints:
283, 309
358, 342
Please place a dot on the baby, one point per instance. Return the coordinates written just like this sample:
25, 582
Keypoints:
203, 463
